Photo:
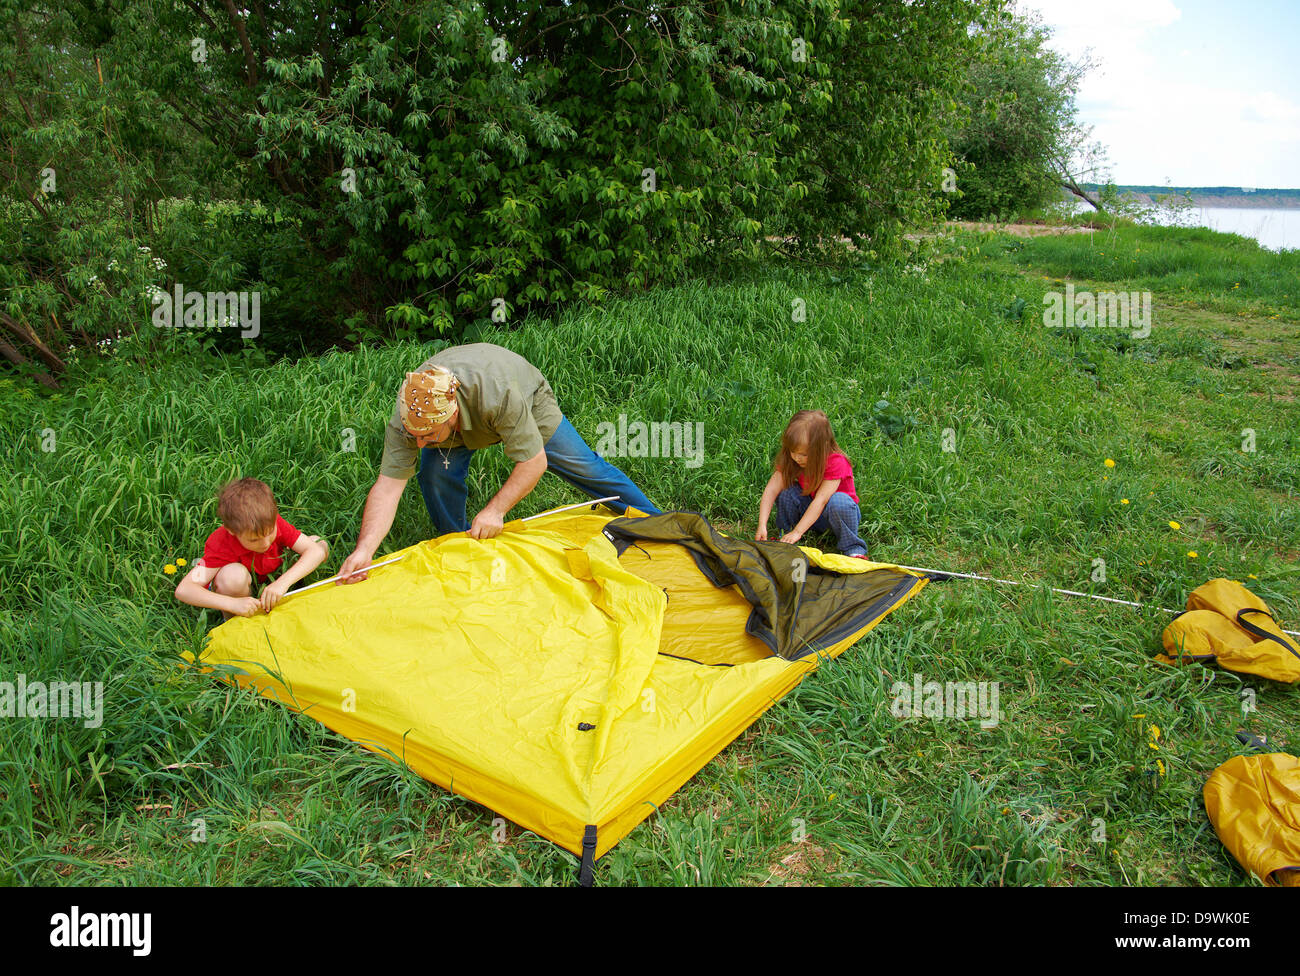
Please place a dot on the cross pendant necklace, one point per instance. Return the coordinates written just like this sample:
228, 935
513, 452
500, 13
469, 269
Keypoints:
446, 461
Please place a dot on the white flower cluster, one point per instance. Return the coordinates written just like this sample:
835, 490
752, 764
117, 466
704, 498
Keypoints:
106, 344
158, 263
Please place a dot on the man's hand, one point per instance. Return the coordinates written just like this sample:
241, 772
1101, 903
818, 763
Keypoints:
792, 537
761, 534
247, 606
376, 520
357, 560
487, 525
272, 595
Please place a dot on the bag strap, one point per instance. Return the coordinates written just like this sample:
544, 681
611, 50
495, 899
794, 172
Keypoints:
1182, 654
1259, 631
586, 868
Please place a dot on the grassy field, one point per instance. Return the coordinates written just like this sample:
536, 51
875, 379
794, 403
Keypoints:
113, 479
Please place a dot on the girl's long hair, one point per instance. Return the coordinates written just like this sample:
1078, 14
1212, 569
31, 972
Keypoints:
811, 428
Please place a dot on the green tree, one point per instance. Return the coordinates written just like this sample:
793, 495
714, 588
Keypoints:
405, 168
1021, 142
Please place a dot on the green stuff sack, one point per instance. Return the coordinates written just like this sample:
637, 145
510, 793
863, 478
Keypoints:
1254, 804
1226, 623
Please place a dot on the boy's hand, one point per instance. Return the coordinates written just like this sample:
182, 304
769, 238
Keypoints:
272, 595
761, 534
792, 537
248, 606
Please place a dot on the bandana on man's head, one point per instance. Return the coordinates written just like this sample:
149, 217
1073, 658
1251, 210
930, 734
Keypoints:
427, 399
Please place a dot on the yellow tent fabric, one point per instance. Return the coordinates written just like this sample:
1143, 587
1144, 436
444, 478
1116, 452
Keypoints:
1226, 623
538, 673
1254, 804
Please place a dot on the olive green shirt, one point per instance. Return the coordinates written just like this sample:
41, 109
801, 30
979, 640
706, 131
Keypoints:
502, 397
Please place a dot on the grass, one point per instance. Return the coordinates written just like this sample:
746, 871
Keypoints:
114, 478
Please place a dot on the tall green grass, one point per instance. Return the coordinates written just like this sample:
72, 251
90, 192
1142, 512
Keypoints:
86, 529
1222, 271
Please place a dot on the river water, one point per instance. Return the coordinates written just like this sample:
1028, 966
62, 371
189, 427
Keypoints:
1275, 229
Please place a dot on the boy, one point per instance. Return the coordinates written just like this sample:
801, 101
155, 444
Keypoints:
248, 543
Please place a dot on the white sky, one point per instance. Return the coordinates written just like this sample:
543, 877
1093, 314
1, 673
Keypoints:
1196, 92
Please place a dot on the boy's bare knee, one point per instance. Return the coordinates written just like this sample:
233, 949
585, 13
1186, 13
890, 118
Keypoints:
233, 580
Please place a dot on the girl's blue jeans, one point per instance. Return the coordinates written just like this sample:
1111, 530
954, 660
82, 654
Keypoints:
840, 517
443, 472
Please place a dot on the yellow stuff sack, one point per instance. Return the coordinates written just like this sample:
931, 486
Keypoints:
1226, 623
1254, 804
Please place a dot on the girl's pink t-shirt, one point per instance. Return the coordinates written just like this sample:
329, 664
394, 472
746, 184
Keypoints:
837, 466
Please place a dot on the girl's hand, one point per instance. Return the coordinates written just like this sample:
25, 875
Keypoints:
761, 534
272, 595
248, 605
792, 537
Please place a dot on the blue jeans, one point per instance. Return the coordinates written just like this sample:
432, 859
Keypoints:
840, 517
443, 472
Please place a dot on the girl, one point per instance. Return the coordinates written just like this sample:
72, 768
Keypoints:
823, 497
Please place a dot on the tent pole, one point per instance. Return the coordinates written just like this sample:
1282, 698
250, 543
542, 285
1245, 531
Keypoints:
363, 569
1091, 596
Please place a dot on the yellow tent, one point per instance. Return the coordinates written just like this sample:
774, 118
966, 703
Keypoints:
1254, 804
569, 675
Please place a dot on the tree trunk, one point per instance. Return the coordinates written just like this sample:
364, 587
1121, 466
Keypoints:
1069, 184
24, 332
18, 359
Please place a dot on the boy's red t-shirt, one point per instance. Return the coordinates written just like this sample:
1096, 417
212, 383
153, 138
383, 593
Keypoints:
837, 466
224, 547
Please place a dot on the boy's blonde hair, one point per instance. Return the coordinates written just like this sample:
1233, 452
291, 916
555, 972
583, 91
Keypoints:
247, 505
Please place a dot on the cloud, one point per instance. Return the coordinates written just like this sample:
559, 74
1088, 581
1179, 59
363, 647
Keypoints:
1157, 121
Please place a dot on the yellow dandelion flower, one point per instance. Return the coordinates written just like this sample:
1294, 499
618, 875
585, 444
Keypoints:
1154, 731
1005, 811
1191, 554
1105, 477
1160, 766
1153, 745
831, 797
1123, 501
180, 562
169, 569
1110, 463
1252, 576
1174, 525
1140, 715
